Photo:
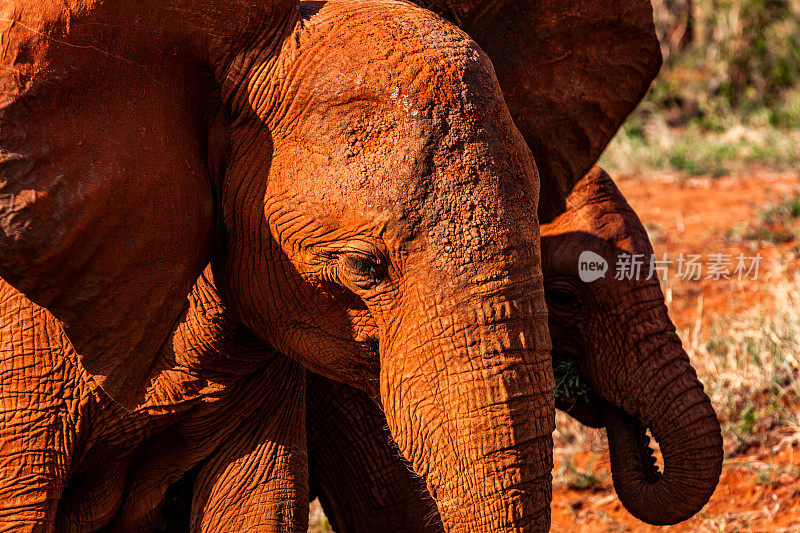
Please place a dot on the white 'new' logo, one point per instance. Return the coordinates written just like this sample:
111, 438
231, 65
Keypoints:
591, 266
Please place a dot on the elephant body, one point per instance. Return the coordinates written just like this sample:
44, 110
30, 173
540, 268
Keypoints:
619, 332
332, 163
349, 175
76, 460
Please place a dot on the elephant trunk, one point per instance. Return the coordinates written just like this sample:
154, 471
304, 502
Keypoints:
476, 415
680, 417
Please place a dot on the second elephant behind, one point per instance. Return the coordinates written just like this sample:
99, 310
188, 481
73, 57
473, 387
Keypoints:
625, 346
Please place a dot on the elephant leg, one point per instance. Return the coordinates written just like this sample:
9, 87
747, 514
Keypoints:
40, 413
238, 462
257, 481
356, 471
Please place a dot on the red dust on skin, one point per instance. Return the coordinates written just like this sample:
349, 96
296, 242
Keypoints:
117, 136
100, 112
599, 326
759, 488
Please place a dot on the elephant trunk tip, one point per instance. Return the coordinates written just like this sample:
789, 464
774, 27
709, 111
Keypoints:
676, 493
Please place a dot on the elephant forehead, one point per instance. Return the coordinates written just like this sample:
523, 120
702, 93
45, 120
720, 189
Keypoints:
396, 114
597, 217
387, 57
452, 193
603, 227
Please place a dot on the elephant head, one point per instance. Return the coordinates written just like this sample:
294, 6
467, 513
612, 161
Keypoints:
617, 329
621, 338
352, 173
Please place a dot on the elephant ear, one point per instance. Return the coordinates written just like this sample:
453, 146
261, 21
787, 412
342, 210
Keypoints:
106, 211
571, 71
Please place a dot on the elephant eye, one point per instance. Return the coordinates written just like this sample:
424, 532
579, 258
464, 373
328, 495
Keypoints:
357, 265
562, 297
362, 265
364, 270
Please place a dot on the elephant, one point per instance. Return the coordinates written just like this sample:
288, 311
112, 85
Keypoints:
142, 141
571, 71
635, 376
199, 201
75, 460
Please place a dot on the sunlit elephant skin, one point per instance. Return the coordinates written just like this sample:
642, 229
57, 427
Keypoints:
353, 176
355, 468
218, 396
625, 346
571, 71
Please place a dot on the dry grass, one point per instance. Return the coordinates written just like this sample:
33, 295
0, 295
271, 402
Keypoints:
727, 97
750, 365
573, 476
776, 224
650, 144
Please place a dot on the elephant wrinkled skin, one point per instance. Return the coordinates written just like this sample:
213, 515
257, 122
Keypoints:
571, 71
353, 176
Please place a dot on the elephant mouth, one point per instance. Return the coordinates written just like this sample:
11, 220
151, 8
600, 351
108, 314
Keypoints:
574, 396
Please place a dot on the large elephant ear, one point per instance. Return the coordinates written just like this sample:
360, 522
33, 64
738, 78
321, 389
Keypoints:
570, 70
106, 210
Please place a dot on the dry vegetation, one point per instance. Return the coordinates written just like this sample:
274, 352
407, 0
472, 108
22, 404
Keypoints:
317, 521
750, 364
728, 95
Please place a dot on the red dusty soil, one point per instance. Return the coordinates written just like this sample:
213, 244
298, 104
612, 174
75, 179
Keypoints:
759, 490
701, 216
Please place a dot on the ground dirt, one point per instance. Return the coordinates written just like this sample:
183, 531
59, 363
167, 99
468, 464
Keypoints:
704, 216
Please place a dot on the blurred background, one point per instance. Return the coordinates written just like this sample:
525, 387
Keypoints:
728, 95
710, 160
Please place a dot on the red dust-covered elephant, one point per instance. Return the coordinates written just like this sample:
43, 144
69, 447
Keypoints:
353, 177
334, 162
618, 363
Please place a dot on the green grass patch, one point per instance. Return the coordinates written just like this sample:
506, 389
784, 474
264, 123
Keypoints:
777, 224
570, 384
727, 99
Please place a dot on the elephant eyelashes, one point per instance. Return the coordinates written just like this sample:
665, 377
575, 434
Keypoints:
361, 265
361, 269
562, 297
